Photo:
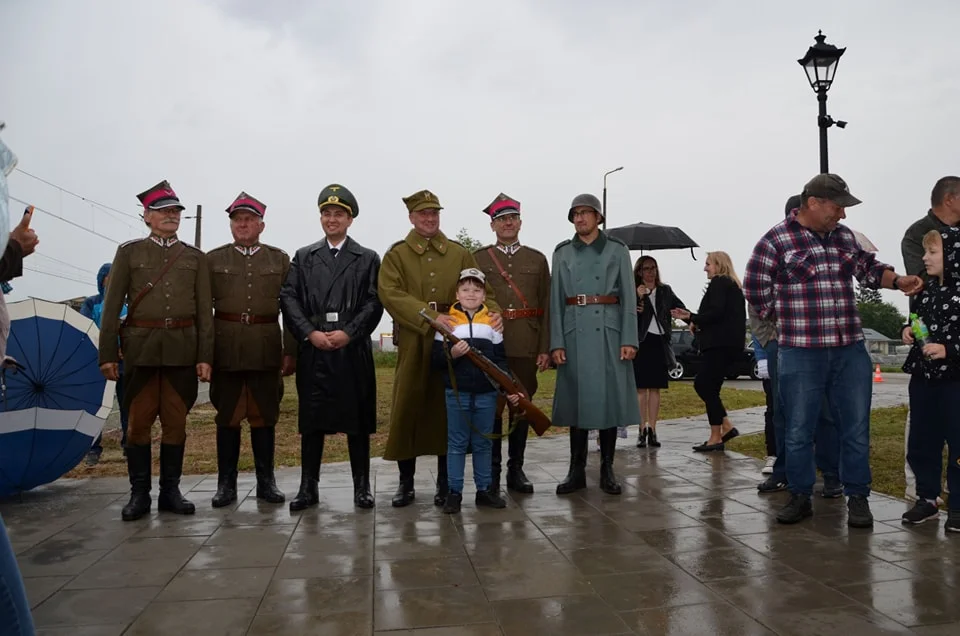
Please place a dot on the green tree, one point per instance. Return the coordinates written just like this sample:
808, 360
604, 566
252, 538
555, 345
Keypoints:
882, 317
464, 238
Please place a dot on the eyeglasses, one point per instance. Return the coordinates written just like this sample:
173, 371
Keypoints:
648, 268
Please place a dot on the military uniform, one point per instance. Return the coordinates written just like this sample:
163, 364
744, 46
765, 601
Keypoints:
248, 353
520, 278
420, 273
168, 330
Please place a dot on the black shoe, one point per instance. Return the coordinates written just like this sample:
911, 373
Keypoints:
452, 504
770, 485
359, 447
405, 493
858, 512
443, 487
311, 457
228, 453
652, 440
576, 478
361, 492
922, 511
707, 447
489, 499
729, 435
171, 467
832, 488
796, 510
138, 467
953, 521
92, 458
642, 440
308, 494
262, 439
608, 446
516, 481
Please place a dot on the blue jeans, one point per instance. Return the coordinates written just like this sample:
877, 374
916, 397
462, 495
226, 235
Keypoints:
15, 618
97, 447
826, 438
843, 374
478, 410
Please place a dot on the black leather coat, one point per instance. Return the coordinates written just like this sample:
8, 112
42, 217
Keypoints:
337, 390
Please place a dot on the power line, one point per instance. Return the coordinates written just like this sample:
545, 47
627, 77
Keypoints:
56, 260
67, 221
61, 276
83, 198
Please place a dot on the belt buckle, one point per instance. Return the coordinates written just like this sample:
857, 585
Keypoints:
581, 300
331, 316
509, 314
245, 318
168, 323
432, 305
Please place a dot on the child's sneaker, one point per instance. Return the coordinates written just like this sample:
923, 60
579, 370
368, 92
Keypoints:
768, 465
488, 499
953, 521
922, 511
452, 504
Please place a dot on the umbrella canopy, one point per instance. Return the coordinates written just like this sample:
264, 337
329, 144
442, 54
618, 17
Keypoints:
55, 406
865, 243
646, 236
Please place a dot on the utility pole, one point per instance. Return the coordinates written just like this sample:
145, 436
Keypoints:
196, 240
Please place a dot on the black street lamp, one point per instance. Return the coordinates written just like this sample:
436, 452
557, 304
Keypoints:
605, 194
820, 64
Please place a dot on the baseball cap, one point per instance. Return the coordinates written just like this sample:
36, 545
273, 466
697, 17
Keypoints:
472, 272
831, 187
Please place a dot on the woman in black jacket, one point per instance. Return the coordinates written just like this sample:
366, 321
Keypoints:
721, 325
655, 302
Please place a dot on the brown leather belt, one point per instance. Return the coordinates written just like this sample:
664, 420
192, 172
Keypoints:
166, 323
513, 314
441, 307
582, 300
246, 319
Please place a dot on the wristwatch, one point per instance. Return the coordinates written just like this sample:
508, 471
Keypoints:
896, 279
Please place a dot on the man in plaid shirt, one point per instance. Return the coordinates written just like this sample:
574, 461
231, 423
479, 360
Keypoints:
801, 272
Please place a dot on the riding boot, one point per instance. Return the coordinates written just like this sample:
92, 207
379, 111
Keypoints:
359, 447
516, 479
577, 476
443, 486
496, 455
171, 467
228, 454
262, 439
608, 445
138, 467
405, 492
311, 455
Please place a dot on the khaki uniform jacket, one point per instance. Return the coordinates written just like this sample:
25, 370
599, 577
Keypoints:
523, 337
184, 292
244, 283
415, 272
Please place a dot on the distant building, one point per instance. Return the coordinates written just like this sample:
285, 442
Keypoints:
879, 344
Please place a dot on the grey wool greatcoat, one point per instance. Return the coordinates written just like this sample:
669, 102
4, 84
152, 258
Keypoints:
337, 390
595, 388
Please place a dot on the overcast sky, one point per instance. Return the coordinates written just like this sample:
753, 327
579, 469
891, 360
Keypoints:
703, 103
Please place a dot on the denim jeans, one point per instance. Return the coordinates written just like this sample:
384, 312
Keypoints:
469, 421
843, 374
97, 446
15, 619
934, 419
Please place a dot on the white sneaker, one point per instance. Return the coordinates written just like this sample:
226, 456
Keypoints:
768, 466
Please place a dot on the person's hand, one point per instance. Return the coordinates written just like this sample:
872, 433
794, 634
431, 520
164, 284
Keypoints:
628, 353
447, 321
110, 370
642, 291
338, 339
204, 371
640, 306
559, 356
320, 340
543, 361
23, 235
907, 335
934, 351
288, 367
692, 328
513, 399
460, 349
680, 314
910, 285
496, 321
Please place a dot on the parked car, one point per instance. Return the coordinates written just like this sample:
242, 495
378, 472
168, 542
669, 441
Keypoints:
690, 360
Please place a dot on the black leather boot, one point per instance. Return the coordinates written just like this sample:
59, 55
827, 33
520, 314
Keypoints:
311, 455
443, 486
516, 479
228, 453
577, 475
138, 467
262, 440
608, 445
359, 447
405, 492
496, 455
171, 467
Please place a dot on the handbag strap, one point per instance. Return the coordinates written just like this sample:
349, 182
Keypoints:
653, 308
143, 292
507, 277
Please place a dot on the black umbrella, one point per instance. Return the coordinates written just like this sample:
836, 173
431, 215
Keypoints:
646, 236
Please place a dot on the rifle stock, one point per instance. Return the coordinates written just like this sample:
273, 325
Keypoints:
527, 410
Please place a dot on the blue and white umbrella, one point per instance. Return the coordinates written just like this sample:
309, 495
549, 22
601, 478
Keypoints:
55, 406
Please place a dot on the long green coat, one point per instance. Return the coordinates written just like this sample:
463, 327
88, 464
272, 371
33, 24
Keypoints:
415, 272
595, 388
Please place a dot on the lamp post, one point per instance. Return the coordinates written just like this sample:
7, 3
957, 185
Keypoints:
605, 194
820, 64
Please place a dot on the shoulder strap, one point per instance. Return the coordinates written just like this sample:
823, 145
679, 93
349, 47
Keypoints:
507, 277
143, 292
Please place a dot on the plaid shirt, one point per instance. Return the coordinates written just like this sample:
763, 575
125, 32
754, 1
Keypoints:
806, 283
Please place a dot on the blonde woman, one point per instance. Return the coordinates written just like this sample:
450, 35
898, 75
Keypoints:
721, 326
